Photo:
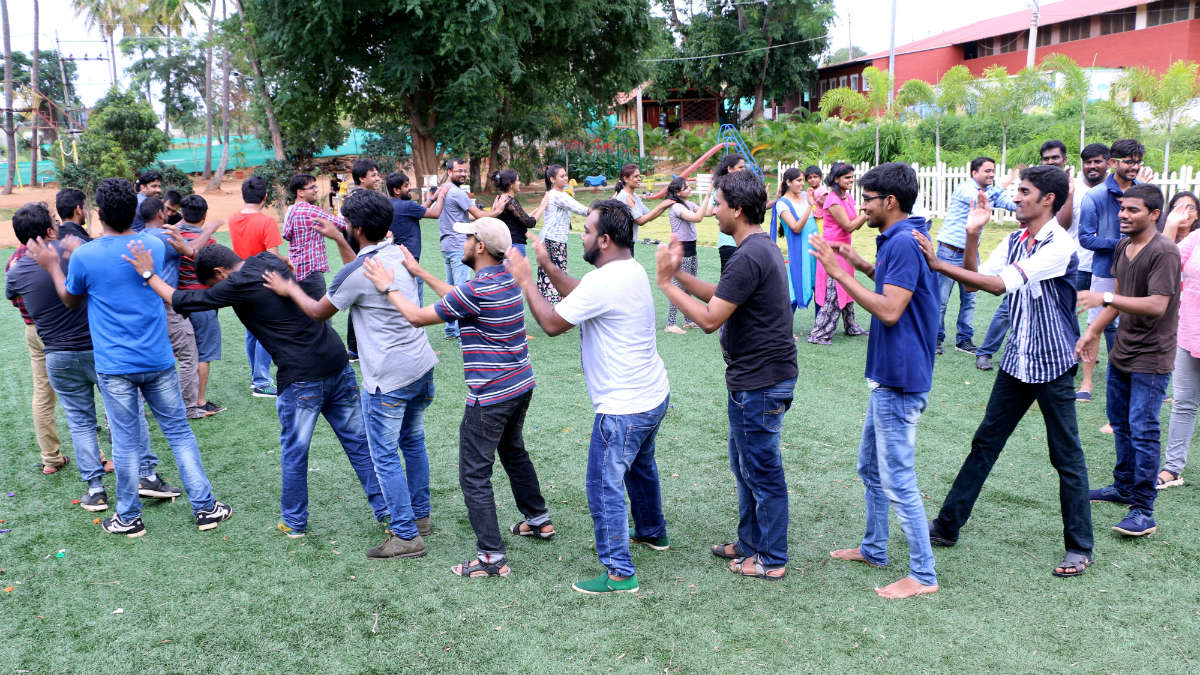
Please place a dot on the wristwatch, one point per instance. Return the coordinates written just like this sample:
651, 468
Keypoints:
149, 273
1108, 298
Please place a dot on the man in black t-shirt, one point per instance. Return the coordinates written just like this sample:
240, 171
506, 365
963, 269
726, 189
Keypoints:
750, 304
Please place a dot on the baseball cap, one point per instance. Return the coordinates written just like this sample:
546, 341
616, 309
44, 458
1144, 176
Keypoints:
491, 231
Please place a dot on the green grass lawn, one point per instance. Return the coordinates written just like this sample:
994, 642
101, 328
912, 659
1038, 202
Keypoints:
243, 598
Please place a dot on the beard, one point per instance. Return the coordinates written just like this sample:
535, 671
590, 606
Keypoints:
174, 218
468, 259
591, 254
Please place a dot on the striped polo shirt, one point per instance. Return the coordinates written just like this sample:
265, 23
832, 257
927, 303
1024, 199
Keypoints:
1041, 301
491, 325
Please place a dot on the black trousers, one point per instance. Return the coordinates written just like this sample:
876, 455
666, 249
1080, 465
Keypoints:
726, 253
313, 285
484, 432
1010, 400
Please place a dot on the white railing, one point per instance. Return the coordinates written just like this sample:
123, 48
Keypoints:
938, 183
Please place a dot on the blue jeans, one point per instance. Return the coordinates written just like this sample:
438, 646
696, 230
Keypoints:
395, 425
1133, 403
260, 362
72, 376
335, 397
520, 247
966, 299
886, 459
996, 331
456, 273
755, 426
123, 405
620, 457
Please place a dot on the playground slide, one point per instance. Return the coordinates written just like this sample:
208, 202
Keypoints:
695, 165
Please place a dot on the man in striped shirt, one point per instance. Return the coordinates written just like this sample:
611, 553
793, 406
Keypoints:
1034, 266
491, 321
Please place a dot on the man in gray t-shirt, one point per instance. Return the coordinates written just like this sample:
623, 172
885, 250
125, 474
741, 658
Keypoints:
397, 371
458, 208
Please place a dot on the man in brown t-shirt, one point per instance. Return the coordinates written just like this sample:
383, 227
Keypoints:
1147, 270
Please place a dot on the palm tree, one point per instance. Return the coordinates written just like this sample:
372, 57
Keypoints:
1004, 98
951, 93
9, 131
107, 16
208, 92
1075, 86
852, 105
1168, 96
260, 83
165, 17
33, 80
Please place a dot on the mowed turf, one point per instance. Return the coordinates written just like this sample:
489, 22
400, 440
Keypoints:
244, 598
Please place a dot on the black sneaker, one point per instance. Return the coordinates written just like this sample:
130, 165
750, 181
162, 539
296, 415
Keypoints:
207, 520
213, 408
939, 351
115, 525
983, 362
938, 538
156, 487
966, 346
94, 501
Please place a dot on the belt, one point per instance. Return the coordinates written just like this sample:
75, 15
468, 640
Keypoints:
952, 248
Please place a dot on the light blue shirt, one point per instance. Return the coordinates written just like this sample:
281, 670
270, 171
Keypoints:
962, 200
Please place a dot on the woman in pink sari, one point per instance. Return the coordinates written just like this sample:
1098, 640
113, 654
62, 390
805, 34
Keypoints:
841, 220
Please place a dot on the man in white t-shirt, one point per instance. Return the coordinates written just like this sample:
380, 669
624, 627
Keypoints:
614, 309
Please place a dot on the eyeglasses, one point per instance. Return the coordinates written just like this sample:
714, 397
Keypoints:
867, 198
309, 187
1130, 162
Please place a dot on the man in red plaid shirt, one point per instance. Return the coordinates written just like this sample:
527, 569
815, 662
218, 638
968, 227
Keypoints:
306, 227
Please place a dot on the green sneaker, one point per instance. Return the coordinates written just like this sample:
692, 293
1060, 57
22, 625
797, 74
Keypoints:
604, 584
658, 543
292, 534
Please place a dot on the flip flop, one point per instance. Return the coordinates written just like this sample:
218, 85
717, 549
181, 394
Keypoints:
48, 470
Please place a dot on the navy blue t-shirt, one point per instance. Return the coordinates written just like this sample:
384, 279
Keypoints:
61, 328
406, 224
171, 257
901, 355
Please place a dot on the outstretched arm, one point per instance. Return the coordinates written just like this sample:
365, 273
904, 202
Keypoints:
47, 257
382, 278
143, 261
887, 306
563, 283
710, 316
543, 312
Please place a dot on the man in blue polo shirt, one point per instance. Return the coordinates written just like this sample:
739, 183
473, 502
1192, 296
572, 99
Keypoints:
133, 358
952, 242
900, 353
491, 320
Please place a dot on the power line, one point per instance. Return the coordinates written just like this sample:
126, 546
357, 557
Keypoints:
744, 51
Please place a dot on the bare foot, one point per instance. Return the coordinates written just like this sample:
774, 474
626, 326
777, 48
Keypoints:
905, 588
1106, 429
851, 555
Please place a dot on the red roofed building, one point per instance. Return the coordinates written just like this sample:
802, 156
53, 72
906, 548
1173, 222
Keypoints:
1100, 33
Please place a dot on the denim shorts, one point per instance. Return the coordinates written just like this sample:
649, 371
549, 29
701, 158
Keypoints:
207, 327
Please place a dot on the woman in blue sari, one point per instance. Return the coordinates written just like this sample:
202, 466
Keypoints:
791, 217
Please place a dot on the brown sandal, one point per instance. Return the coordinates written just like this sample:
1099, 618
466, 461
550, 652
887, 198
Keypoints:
728, 551
538, 531
48, 470
759, 571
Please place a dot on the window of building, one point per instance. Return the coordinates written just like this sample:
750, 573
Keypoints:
1079, 29
1118, 21
854, 82
985, 47
1166, 11
1011, 42
1044, 35
867, 85
842, 81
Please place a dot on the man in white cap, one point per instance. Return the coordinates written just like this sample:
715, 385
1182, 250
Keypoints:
491, 320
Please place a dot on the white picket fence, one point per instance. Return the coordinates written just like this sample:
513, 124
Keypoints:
938, 183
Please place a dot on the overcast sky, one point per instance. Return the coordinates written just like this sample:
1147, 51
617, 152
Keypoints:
868, 25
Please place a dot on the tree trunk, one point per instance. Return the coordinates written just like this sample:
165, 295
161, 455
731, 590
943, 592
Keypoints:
762, 76
1167, 148
1004, 147
9, 131
876, 142
208, 94
474, 163
34, 79
260, 83
937, 161
673, 15
494, 162
421, 129
167, 92
215, 183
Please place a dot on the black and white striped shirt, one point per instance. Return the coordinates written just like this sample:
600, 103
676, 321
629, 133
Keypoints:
1041, 302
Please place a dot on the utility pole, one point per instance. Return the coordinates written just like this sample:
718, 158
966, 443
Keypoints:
1033, 28
641, 138
892, 59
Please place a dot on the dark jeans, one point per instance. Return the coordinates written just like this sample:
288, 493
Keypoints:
351, 341
313, 285
996, 331
726, 253
1009, 402
486, 431
1134, 401
755, 428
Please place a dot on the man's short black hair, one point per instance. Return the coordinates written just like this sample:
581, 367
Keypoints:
194, 208
1053, 144
254, 190
212, 256
396, 180
66, 201
454, 161
1150, 195
743, 190
172, 197
980, 161
149, 209
361, 167
616, 220
148, 176
299, 182
1094, 150
117, 202
1047, 180
1126, 147
31, 221
894, 178
370, 212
